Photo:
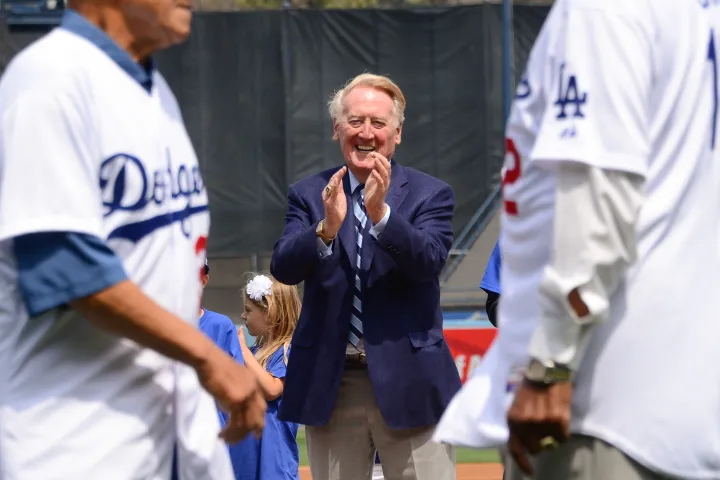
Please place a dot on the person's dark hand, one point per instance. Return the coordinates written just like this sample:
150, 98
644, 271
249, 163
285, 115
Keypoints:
248, 416
538, 419
236, 391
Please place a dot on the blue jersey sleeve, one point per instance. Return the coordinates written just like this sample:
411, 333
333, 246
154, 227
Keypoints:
55, 268
276, 363
491, 279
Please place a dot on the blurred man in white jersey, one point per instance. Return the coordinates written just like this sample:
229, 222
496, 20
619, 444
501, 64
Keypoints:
613, 166
103, 226
611, 183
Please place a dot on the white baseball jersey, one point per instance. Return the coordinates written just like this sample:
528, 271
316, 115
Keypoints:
632, 87
84, 148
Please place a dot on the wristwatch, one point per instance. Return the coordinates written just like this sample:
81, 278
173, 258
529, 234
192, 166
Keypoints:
547, 373
319, 232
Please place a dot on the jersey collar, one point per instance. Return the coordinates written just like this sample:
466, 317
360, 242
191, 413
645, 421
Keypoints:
74, 22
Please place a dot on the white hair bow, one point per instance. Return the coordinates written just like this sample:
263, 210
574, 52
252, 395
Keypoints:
259, 287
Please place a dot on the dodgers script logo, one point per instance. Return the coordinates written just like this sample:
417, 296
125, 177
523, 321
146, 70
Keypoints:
126, 186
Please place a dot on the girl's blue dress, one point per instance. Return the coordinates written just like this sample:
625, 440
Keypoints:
275, 455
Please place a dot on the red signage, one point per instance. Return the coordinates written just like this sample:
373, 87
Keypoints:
468, 346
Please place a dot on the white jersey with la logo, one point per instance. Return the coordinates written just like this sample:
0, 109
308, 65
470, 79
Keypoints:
632, 87
476, 416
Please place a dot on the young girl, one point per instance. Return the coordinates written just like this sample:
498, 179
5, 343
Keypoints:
271, 314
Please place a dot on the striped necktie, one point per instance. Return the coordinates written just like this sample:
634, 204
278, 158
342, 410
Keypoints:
356, 327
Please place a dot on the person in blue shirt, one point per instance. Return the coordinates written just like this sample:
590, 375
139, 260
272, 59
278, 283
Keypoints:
223, 332
219, 327
272, 310
491, 284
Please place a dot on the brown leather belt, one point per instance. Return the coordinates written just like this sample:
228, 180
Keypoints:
355, 361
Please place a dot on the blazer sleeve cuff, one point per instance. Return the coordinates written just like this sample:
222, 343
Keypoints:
395, 235
377, 230
324, 250
300, 248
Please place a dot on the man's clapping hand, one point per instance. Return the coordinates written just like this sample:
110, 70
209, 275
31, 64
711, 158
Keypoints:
335, 203
376, 188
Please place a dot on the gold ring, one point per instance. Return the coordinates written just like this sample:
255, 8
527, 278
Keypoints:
548, 443
328, 191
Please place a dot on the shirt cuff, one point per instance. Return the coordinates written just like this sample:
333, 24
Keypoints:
324, 250
593, 244
561, 337
377, 230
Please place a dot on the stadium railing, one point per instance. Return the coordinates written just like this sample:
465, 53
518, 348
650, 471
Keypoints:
470, 234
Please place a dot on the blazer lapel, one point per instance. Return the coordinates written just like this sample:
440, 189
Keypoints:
394, 198
347, 231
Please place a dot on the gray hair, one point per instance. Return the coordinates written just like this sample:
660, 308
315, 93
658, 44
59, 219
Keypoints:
336, 108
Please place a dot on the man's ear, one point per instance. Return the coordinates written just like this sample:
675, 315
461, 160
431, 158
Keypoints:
398, 136
336, 130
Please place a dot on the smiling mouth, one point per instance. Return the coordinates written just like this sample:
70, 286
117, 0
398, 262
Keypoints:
364, 148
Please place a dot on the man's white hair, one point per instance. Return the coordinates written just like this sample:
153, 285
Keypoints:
336, 107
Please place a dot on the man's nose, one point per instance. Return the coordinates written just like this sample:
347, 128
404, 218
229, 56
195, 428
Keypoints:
366, 130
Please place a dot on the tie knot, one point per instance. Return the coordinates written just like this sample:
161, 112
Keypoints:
359, 191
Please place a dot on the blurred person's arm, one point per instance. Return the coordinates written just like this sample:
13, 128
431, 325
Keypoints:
490, 283
125, 311
80, 270
593, 245
599, 170
58, 269
491, 306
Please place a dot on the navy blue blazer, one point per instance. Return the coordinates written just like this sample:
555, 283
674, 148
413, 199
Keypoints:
410, 365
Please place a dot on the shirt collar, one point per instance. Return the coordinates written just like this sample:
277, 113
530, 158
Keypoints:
354, 182
75, 23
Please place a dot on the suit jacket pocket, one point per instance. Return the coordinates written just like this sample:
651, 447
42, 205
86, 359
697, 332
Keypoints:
426, 338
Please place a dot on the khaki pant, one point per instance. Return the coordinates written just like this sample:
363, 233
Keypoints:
582, 458
344, 449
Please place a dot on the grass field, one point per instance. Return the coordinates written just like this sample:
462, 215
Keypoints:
464, 455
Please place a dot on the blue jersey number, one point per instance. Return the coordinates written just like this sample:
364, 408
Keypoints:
712, 57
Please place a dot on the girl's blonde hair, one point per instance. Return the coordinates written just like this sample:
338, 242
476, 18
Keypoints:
283, 310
